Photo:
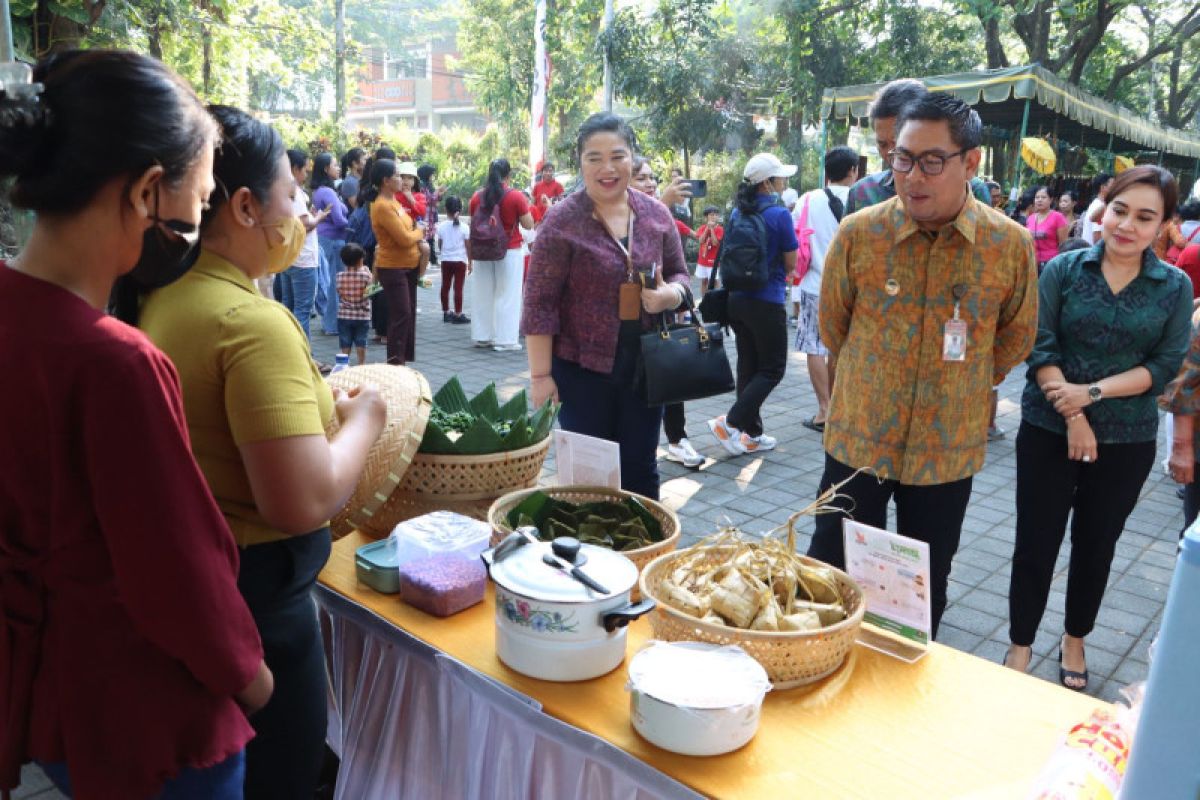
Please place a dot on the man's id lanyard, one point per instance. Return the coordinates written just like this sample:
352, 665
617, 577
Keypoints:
629, 301
954, 338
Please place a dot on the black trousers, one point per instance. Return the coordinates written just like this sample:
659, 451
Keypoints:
762, 347
1098, 496
674, 422
400, 287
284, 758
607, 407
931, 514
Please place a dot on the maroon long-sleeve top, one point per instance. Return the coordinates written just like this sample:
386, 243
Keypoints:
123, 637
572, 290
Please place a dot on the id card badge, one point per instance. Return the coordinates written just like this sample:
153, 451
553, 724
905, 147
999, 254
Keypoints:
954, 337
954, 341
629, 304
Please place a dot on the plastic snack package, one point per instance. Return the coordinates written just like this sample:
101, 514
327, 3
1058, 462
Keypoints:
1090, 762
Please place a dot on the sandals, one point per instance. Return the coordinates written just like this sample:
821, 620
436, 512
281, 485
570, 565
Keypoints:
812, 424
1004, 659
1065, 674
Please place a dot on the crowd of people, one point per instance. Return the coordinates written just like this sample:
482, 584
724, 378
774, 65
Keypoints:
169, 515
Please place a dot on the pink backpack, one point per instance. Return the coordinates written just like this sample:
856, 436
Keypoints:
803, 236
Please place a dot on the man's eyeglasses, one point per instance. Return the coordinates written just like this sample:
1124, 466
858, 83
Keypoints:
903, 161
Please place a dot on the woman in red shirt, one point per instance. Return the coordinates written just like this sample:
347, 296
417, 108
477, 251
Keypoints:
128, 660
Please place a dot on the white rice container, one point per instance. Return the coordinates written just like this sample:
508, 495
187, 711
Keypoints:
695, 698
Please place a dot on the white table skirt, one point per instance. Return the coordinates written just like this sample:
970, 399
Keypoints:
408, 721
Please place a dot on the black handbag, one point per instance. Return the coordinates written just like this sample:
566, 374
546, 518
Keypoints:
684, 361
714, 307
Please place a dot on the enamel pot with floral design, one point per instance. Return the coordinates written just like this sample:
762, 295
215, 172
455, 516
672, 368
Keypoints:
561, 607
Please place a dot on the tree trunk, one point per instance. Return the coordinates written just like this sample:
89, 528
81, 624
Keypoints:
206, 63
996, 57
339, 61
54, 33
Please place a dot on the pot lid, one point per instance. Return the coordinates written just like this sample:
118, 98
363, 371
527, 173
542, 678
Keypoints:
409, 403
698, 675
525, 571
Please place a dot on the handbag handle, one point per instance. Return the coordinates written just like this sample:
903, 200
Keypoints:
663, 327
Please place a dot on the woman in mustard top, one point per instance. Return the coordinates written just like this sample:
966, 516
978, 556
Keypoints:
257, 410
397, 256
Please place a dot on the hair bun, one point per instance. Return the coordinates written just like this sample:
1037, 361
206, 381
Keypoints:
24, 126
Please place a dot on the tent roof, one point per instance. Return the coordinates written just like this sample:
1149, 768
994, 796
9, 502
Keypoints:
1078, 118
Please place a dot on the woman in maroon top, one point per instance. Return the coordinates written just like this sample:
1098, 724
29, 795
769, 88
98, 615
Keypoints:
128, 660
581, 351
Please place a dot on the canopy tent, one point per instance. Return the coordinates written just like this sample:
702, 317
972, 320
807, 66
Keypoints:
1021, 100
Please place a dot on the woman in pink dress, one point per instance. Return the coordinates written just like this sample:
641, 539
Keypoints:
1049, 227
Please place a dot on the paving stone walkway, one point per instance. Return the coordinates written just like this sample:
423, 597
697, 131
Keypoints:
758, 493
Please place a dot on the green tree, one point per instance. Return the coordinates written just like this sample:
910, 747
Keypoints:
661, 62
496, 40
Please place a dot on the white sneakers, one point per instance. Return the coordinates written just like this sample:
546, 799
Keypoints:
730, 438
753, 444
685, 454
737, 443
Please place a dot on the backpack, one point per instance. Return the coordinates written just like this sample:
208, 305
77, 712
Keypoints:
489, 238
804, 242
743, 264
359, 230
835, 205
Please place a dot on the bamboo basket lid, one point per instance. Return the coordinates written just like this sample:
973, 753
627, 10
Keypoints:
409, 403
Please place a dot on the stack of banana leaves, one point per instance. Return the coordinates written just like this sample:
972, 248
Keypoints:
481, 425
618, 525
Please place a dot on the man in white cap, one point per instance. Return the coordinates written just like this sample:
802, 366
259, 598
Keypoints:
760, 233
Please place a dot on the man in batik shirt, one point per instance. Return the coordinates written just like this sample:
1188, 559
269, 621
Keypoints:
927, 301
884, 110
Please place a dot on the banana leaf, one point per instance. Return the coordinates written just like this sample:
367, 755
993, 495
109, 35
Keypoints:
516, 409
543, 421
479, 439
531, 509
653, 529
519, 436
486, 404
437, 442
451, 397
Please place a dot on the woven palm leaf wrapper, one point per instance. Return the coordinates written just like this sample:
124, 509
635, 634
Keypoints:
408, 399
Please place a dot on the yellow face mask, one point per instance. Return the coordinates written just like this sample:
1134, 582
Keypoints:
281, 255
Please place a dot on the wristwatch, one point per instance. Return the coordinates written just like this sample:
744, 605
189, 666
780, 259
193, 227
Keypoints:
1094, 393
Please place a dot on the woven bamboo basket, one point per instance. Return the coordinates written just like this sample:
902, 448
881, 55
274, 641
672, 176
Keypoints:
467, 485
498, 513
409, 401
399, 483
791, 658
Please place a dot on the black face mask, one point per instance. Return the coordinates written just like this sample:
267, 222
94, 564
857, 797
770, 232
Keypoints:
169, 249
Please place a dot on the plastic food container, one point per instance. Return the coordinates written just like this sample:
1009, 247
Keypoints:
377, 567
694, 698
440, 533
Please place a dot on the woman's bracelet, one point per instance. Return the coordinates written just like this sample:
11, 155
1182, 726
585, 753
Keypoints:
539, 377
1075, 416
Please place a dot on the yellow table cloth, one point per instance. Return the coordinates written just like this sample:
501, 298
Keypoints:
950, 726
